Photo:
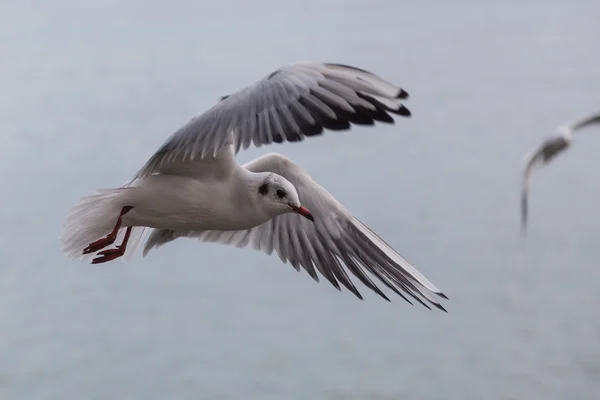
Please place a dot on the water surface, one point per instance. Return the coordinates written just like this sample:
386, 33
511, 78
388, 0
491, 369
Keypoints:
90, 90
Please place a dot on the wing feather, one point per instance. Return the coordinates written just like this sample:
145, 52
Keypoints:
291, 103
334, 244
581, 123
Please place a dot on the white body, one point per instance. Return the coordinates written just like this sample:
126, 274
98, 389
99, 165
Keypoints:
185, 203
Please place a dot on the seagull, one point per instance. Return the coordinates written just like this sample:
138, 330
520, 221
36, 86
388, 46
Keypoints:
193, 187
546, 152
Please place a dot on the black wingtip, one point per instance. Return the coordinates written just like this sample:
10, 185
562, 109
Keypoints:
354, 291
404, 111
382, 295
403, 94
439, 307
442, 295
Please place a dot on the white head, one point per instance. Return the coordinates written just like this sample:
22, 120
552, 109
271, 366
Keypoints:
278, 196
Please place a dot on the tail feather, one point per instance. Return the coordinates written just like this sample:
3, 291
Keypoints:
94, 217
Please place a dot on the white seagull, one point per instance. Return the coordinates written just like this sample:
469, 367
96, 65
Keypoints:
546, 152
193, 186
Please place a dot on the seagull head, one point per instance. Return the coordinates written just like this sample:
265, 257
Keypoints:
554, 146
279, 196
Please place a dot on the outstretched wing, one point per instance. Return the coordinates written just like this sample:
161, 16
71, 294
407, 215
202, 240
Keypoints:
583, 122
335, 239
532, 159
291, 103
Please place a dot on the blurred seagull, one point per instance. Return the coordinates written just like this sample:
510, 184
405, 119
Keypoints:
546, 152
193, 187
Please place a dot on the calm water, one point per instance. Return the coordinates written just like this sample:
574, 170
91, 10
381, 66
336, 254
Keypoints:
89, 92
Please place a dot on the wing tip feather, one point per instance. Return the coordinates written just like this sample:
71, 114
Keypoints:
442, 295
405, 112
402, 94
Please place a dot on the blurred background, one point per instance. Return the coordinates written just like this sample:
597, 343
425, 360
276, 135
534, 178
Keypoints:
89, 90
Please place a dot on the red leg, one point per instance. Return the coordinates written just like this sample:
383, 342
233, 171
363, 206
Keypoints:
110, 238
111, 254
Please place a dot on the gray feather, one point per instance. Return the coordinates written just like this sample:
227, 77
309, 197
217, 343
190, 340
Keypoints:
291, 103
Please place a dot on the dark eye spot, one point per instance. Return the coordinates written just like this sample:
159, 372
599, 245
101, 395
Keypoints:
263, 189
280, 193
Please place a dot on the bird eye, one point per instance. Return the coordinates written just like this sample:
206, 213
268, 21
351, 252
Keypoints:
280, 193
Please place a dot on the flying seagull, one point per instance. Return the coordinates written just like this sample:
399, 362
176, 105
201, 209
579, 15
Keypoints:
546, 152
193, 187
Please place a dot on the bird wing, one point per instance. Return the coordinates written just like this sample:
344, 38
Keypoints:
334, 239
580, 123
292, 102
532, 159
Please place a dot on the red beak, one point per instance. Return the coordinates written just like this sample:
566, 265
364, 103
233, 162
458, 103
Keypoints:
304, 212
